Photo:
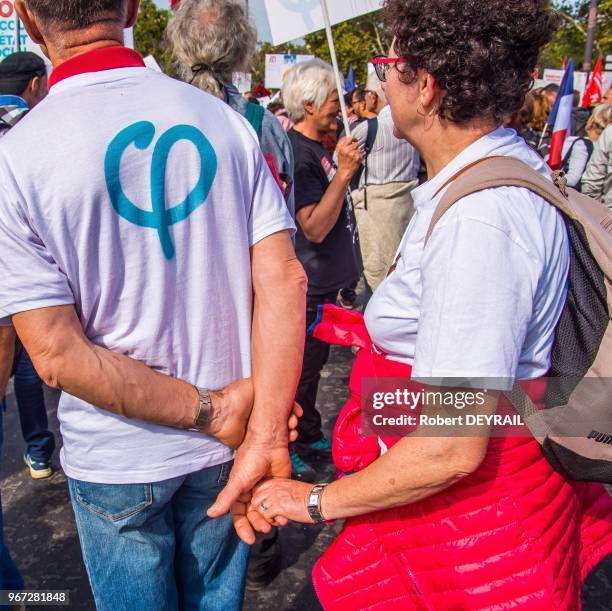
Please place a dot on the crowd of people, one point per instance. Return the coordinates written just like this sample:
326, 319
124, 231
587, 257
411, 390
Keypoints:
183, 288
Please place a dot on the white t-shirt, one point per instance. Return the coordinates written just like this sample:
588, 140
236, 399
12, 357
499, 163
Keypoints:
483, 298
80, 177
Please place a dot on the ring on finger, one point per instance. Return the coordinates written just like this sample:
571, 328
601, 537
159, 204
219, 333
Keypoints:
264, 506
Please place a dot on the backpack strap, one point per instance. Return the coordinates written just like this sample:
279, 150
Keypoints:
589, 147
492, 172
255, 115
369, 145
371, 137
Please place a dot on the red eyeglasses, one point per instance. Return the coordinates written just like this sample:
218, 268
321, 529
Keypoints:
382, 65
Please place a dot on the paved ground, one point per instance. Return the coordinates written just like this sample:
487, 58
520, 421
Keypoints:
40, 529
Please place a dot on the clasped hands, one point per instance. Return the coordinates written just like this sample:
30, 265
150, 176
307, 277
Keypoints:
259, 493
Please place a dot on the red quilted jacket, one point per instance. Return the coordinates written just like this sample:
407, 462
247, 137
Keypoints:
514, 534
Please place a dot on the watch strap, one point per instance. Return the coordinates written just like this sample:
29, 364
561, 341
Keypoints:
201, 423
314, 503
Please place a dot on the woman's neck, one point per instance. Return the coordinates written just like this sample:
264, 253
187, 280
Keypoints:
309, 129
441, 143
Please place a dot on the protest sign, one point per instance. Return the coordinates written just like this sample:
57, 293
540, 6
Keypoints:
278, 65
290, 19
243, 81
556, 76
13, 36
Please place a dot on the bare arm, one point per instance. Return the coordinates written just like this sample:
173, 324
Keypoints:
279, 318
415, 468
66, 359
7, 347
318, 219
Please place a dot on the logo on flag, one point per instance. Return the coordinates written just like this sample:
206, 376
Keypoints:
561, 117
594, 93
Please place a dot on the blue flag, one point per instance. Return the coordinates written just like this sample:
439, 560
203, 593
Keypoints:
349, 83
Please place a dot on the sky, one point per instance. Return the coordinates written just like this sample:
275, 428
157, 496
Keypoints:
258, 13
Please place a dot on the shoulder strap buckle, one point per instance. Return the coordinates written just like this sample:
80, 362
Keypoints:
560, 180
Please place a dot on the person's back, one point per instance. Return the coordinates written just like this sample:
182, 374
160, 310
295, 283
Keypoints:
136, 247
597, 180
145, 219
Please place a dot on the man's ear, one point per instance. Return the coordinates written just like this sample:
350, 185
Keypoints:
29, 22
132, 13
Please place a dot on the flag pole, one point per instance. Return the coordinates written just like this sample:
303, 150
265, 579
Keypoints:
334, 57
542, 136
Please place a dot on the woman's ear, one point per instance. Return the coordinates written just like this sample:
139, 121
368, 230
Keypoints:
309, 108
427, 86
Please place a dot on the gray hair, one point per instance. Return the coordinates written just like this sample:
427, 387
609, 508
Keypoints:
601, 117
373, 84
211, 39
309, 82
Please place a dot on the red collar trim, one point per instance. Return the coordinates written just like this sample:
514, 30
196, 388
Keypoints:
106, 58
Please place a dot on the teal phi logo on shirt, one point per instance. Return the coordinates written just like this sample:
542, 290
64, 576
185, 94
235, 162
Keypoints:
160, 218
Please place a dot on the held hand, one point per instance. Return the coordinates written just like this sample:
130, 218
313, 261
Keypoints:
231, 409
349, 156
284, 498
255, 460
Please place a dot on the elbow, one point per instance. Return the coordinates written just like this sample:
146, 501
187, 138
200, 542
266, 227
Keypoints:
48, 370
316, 237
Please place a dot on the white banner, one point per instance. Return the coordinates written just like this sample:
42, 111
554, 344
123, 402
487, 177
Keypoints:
8, 33
278, 65
243, 81
556, 76
290, 19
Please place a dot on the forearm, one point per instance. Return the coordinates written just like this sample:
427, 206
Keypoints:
323, 216
65, 359
7, 347
412, 470
279, 318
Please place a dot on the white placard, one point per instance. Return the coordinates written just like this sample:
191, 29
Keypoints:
278, 65
556, 76
290, 19
8, 34
243, 81
151, 63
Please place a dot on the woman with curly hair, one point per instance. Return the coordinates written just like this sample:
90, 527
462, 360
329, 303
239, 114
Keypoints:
436, 520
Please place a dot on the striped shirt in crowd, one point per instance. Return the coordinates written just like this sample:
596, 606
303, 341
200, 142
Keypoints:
391, 159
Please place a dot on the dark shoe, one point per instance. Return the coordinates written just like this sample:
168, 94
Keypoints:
301, 470
38, 469
322, 447
265, 561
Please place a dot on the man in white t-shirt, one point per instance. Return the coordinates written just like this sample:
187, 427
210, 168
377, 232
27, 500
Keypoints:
146, 260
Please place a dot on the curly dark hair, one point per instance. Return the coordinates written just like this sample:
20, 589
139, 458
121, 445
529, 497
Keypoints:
482, 52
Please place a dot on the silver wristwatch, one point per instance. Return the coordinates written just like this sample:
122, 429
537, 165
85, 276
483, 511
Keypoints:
201, 424
314, 503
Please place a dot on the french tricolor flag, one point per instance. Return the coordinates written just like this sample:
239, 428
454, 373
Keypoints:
561, 117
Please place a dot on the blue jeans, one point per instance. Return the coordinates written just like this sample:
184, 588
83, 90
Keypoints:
32, 411
151, 546
10, 577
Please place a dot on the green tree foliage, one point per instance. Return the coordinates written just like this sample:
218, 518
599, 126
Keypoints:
571, 38
149, 36
356, 41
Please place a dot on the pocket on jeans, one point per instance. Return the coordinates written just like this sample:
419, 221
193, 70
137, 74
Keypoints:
224, 473
113, 501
